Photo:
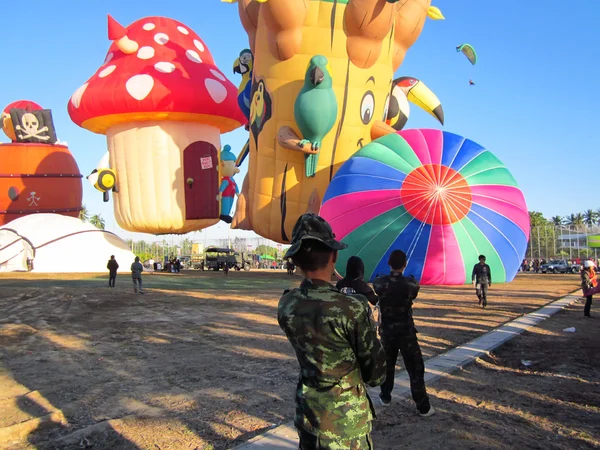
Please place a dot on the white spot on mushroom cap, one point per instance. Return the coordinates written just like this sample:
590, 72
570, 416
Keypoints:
139, 86
145, 53
76, 97
161, 38
218, 74
149, 27
183, 30
106, 72
193, 56
199, 45
109, 57
216, 90
164, 67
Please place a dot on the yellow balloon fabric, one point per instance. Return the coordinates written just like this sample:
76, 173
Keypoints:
363, 53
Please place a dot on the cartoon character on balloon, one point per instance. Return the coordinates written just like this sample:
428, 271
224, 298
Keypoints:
229, 188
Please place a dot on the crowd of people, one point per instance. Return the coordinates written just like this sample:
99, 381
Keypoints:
535, 265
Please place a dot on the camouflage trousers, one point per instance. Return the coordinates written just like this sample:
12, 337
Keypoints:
311, 442
409, 347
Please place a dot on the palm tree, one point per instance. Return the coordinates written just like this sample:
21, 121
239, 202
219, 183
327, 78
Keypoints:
576, 220
84, 214
97, 221
589, 217
557, 220
598, 216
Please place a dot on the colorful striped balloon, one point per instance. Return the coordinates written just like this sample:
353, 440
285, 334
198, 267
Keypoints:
441, 198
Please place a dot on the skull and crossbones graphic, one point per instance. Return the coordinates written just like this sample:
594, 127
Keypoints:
33, 200
31, 128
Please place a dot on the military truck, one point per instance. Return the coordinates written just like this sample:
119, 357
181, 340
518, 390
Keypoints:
216, 258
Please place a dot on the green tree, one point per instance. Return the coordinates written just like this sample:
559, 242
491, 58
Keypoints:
589, 217
557, 220
537, 219
186, 247
575, 220
266, 250
84, 214
97, 221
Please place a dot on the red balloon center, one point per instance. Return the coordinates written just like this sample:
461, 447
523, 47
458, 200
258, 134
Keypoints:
436, 194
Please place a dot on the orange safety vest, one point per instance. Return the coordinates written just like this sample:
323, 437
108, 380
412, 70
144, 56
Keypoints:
593, 277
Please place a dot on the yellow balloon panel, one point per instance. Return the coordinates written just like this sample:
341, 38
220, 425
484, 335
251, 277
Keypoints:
278, 190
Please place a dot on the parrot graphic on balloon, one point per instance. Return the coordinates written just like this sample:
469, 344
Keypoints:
316, 109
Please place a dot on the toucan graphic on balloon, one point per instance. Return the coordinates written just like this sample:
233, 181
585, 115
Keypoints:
103, 177
409, 89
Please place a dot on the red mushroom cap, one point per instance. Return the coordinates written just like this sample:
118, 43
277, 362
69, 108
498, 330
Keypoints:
172, 76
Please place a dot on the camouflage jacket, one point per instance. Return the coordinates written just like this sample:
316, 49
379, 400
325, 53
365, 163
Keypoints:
338, 351
396, 294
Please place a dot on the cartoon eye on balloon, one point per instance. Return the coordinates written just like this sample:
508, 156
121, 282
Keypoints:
367, 106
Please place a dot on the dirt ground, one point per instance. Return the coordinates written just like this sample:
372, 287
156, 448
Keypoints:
498, 402
197, 362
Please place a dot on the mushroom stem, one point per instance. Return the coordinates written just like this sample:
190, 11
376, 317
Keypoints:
409, 23
127, 45
367, 23
148, 158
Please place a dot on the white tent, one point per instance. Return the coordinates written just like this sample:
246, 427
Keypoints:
59, 244
14, 251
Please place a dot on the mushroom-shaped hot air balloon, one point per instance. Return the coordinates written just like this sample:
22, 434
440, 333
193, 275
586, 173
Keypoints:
162, 104
439, 197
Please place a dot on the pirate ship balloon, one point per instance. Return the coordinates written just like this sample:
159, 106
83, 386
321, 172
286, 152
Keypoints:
39, 174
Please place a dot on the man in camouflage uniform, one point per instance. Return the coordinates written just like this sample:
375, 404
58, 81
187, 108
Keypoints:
398, 333
336, 345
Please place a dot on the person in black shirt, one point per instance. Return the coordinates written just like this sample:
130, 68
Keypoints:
398, 333
353, 282
112, 267
482, 280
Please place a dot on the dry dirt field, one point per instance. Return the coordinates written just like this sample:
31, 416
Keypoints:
499, 403
199, 362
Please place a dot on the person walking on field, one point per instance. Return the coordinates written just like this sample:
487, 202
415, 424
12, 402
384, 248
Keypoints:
482, 280
112, 267
588, 282
136, 275
336, 345
399, 334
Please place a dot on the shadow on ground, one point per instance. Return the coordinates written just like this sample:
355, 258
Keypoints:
197, 362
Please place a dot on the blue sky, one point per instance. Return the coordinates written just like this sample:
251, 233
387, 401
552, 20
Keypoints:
533, 105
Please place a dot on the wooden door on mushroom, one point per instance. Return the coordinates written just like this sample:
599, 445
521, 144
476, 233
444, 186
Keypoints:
201, 175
